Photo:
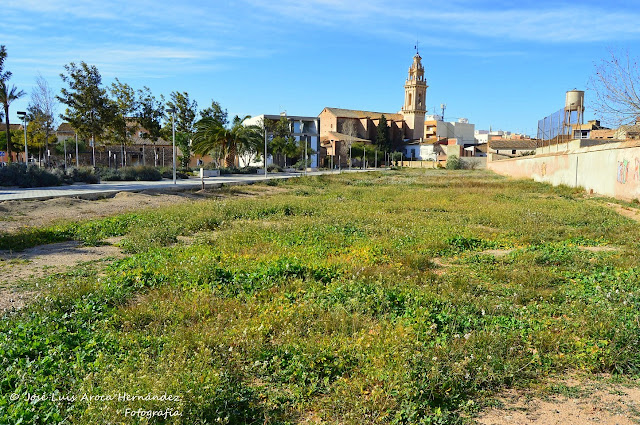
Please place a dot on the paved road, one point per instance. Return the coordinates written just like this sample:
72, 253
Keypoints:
108, 188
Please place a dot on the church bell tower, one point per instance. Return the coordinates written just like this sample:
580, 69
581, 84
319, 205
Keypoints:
415, 98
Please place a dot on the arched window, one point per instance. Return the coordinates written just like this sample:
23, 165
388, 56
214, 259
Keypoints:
409, 103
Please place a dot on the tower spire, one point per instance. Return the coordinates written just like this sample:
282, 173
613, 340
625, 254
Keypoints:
415, 97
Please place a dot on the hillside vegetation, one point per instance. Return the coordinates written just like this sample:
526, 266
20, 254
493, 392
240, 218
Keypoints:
398, 297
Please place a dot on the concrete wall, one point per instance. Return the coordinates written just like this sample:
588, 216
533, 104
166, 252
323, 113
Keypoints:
611, 169
418, 164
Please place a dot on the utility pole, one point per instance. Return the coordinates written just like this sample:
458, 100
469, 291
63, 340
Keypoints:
77, 160
264, 124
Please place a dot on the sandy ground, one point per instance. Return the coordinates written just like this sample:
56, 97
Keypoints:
581, 401
629, 212
41, 261
17, 214
17, 268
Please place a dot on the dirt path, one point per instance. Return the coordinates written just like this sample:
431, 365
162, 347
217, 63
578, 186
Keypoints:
40, 261
629, 212
572, 401
35, 213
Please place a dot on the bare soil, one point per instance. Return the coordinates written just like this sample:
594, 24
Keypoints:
17, 268
15, 215
40, 261
629, 212
575, 401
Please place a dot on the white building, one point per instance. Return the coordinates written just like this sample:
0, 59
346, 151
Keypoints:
303, 129
439, 133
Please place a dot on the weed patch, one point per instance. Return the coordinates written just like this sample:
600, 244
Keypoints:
323, 303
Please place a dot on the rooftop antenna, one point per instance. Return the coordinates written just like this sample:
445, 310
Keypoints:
443, 106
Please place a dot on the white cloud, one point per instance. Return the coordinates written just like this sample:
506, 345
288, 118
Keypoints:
545, 24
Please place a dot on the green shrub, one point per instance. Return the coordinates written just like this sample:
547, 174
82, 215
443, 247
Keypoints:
85, 175
454, 163
274, 168
167, 173
138, 173
236, 170
110, 175
22, 176
141, 173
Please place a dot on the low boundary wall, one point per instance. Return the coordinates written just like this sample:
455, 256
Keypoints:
611, 169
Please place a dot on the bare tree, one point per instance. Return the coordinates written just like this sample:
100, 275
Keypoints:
42, 109
616, 84
350, 129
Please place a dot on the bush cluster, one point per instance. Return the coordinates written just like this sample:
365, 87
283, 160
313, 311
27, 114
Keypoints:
20, 175
237, 170
167, 173
454, 163
83, 175
141, 173
274, 168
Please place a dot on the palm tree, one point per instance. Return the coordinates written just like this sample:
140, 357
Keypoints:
8, 95
211, 137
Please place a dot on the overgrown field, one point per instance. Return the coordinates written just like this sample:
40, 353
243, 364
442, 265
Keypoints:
400, 297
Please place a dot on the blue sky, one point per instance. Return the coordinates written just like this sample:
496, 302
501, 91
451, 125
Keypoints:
501, 64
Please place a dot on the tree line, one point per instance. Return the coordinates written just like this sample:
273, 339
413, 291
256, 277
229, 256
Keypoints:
110, 115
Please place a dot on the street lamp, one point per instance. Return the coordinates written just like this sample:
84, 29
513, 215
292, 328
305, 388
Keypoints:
172, 111
364, 156
77, 160
93, 143
302, 137
264, 124
23, 115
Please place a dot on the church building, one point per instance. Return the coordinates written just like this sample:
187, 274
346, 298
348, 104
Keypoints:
341, 127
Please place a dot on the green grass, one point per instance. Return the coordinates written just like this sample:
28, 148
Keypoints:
353, 299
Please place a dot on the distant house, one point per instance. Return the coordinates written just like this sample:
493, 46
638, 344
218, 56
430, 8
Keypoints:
64, 132
584, 131
341, 127
628, 132
138, 151
15, 156
482, 149
12, 127
302, 129
513, 147
603, 134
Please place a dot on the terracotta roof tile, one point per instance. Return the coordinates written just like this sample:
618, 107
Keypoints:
332, 135
513, 144
352, 113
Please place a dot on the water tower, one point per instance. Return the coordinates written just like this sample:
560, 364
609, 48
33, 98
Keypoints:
573, 110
